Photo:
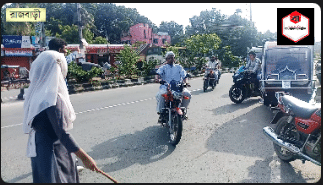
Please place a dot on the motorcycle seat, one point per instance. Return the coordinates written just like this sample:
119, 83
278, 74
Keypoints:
300, 108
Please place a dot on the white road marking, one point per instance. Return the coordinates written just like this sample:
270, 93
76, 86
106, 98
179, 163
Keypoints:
101, 108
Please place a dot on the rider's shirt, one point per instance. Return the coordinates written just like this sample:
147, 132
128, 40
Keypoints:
168, 73
211, 64
254, 65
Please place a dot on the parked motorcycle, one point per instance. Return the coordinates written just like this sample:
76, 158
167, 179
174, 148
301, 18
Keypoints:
211, 79
298, 131
244, 86
173, 114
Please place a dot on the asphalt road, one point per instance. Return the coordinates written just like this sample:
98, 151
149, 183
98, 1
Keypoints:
222, 142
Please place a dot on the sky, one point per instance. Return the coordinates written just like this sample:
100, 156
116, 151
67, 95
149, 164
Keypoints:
264, 15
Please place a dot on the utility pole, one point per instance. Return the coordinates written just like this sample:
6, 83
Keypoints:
79, 24
250, 14
251, 20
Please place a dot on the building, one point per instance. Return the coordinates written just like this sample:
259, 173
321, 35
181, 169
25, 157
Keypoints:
99, 53
16, 51
141, 32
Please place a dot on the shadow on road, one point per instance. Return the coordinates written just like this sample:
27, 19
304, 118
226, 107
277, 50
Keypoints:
229, 108
143, 147
200, 91
243, 135
286, 175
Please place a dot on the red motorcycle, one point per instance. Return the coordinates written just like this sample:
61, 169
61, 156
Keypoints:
298, 131
173, 114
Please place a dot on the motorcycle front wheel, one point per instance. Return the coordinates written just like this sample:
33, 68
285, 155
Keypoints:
285, 130
205, 85
175, 133
237, 94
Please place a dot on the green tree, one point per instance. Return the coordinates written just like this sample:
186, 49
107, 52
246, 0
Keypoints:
173, 29
99, 40
128, 62
227, 58
200, 45
69, 33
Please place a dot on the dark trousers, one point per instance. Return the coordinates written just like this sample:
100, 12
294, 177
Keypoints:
52, 164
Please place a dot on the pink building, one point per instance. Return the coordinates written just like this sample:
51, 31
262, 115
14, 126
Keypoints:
142, 32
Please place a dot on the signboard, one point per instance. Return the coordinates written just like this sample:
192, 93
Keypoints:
18, 52
26, 14
25, 42
12, 41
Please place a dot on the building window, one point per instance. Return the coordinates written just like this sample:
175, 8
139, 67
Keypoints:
145, 34
155, 41
164, 40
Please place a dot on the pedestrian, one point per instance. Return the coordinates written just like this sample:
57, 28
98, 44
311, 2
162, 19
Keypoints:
48, 116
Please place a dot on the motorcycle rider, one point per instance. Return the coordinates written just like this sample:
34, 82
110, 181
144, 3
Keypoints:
254, 66
166, 73
214, 63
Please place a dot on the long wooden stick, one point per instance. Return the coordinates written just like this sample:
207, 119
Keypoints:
103, 173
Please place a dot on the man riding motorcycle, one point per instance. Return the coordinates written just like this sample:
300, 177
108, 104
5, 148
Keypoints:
254, 66
166, 73
213, 64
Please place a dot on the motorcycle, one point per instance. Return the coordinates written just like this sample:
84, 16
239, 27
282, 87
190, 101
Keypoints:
173, 114
298, 131
211, 79
244, 86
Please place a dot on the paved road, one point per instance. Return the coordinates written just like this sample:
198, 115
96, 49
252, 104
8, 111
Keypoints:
221, 142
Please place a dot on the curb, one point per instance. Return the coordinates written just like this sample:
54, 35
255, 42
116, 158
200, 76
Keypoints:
77, 88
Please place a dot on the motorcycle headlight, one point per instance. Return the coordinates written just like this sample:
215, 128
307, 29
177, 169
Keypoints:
177, 95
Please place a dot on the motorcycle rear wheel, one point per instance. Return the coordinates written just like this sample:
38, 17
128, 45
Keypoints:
237, 94
176, 136
282, 126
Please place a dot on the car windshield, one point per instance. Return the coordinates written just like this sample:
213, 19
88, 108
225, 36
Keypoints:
296, 59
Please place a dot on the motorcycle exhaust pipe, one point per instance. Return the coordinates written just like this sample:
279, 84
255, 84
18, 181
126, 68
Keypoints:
270, 133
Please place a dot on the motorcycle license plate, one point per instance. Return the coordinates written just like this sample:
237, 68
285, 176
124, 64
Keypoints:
285, 84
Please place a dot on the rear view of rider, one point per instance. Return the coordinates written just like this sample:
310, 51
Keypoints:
254, 66
166, 73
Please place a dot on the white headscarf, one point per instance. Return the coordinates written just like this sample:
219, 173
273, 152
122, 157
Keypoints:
47, 82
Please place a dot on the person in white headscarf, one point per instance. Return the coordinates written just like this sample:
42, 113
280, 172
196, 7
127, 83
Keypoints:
48, 115
168, 72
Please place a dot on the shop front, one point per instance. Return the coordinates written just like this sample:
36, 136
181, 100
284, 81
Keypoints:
21, 57
102, 53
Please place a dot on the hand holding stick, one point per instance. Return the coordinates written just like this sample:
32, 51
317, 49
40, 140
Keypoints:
103, 173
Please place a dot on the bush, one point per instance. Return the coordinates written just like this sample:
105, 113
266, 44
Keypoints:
81, 76
149, 66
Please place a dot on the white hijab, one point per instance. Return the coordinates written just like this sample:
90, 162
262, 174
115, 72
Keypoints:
47, 82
